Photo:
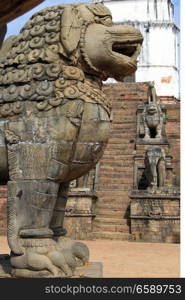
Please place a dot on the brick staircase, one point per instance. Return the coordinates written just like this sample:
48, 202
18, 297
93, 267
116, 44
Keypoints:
115, 179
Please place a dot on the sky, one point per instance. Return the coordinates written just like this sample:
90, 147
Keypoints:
15, 25
177, 11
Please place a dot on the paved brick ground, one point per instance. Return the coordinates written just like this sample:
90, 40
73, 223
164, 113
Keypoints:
129, 259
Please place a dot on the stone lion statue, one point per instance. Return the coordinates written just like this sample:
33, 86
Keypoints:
153, 121
55, 124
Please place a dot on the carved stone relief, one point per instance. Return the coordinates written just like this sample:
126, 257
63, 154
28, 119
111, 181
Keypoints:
151, 119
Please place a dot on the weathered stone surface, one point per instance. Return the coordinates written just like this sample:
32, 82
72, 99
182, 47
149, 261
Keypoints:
153, 170
49, 75
80, 212
155, 217
155, 199
157, 231
89, 270
151, 120
5, 266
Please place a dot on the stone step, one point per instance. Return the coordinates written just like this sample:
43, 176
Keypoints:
110, 205
3, 197
111, 236
132, 88
110, 221
110, 228
114, 208
119, 170
108, 202
115, 196
109, 214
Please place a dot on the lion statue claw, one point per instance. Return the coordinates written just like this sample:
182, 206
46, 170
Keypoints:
49, 258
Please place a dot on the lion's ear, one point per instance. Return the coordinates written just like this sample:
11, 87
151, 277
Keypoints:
70, 29
7, 45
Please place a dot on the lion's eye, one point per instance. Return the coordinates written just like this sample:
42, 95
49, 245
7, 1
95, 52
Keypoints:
106, 20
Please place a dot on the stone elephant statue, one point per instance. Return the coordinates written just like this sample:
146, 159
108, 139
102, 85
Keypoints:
155, 168
55, 124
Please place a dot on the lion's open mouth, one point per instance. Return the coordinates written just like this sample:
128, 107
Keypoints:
112, 50
152, 111
130, 49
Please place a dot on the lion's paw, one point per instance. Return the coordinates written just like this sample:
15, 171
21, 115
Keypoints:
56, 259
73, 250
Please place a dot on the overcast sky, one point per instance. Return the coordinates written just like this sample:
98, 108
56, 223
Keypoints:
15, 26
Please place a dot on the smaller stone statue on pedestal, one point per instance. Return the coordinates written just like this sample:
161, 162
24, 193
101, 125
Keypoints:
152, 115
155, 168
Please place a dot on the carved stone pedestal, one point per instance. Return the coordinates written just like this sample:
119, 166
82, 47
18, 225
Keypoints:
80, 213
5, 267
155, 217
90, 270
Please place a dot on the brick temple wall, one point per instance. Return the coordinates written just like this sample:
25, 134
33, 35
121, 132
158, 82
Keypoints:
173, 134
115, 173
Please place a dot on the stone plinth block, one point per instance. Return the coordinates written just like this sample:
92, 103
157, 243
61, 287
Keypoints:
155, 218
80, 213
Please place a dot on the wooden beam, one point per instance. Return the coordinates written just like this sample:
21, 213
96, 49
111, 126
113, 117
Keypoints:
3, 29
10, 10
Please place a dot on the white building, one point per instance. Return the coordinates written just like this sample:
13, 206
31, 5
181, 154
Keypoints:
158, 60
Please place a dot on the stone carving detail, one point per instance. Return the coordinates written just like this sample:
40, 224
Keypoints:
151, 118
55, 124
155, 168
155, 200
153, 121
153, 171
